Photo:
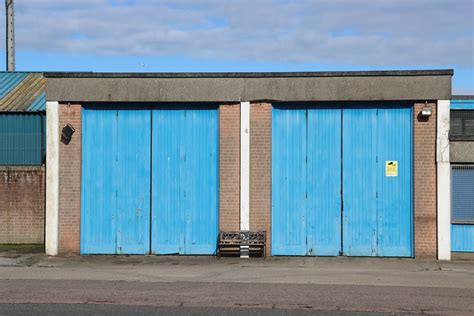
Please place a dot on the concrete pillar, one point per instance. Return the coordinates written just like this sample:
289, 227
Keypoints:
52, 178
444, 181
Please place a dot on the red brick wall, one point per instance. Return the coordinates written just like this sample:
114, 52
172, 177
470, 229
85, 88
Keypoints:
261, 168
425, 183
22, 205
229, 167
70, 181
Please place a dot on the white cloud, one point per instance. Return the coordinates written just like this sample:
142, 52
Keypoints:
375, 32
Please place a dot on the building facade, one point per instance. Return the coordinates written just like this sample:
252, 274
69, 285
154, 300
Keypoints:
328, 164
22, 158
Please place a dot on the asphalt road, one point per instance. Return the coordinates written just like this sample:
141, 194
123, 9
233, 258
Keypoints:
99, 309
171, 285
221, 296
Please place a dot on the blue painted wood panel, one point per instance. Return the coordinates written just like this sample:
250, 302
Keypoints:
394, 215
185, 180
462, 237
323, 181
360, 181
99, 189
289, 181
133, 181
168, 216
115, 180
377, 210
201, 180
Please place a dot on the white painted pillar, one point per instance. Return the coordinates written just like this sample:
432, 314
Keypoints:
444, 181
52, 178
244, 172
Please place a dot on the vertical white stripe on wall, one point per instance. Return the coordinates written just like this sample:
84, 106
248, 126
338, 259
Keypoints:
444, 181
52, 178
245, 166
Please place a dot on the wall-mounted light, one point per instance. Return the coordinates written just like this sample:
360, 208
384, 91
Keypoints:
66, 133
426, 111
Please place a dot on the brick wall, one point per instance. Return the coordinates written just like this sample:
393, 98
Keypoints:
22, 205
229, 167
425, 182
70, 181
260, 168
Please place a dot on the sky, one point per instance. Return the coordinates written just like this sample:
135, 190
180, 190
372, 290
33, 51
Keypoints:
244, 35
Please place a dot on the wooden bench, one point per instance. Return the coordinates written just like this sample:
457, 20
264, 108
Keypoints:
230, 242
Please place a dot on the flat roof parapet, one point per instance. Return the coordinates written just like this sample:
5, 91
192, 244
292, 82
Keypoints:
392, 85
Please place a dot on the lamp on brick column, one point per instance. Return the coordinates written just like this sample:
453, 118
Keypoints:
66, 133
426, 111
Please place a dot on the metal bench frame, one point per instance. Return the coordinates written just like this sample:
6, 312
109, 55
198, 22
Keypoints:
230, 242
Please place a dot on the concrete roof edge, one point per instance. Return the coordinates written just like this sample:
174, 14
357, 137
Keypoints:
433, 72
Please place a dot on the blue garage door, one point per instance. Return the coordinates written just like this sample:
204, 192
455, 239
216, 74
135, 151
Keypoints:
369, 148
149, 168
306, 181
185, 180
377, 193
115, 181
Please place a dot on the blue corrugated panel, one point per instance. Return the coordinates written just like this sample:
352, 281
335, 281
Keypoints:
22, 139
22, 91
306, 194
360, 181
462, 104
133, 180
323, 181
185, 180
39, 104
115, 180
168, 218
462, 237
394, 215
310, 155
289, 181
99, 189
9, 80
377, 208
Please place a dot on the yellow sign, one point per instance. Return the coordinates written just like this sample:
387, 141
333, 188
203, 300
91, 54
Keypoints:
391, 168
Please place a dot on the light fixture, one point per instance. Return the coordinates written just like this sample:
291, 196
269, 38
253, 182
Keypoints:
66, 133
426, 111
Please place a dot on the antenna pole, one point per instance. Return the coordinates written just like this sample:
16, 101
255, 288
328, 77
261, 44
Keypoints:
10, 28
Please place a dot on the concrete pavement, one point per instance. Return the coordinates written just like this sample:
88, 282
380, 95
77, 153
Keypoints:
318, 284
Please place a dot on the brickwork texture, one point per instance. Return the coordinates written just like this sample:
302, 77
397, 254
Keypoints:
70, 180
261, 168
22, 205
425, 182
229, 167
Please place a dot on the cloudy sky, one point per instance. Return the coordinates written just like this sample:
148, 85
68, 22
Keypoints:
245, 35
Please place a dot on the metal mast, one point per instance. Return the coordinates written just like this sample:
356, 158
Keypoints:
10, 28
